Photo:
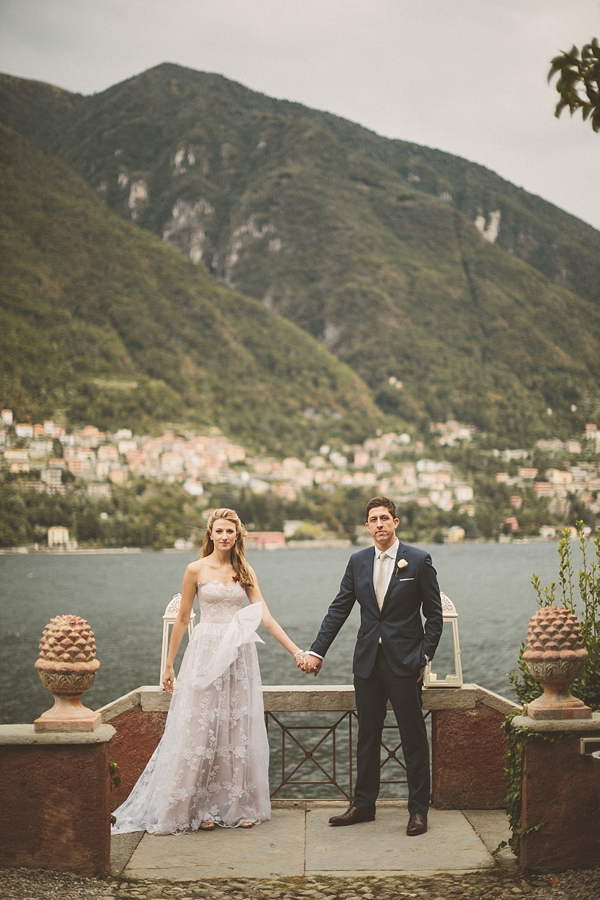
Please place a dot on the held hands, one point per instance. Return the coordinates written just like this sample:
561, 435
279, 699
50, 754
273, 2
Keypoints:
309, 664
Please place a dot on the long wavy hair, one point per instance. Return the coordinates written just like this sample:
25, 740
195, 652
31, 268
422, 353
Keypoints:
238, 551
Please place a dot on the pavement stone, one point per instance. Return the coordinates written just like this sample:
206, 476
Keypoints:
298, 841
265, 851
383, 848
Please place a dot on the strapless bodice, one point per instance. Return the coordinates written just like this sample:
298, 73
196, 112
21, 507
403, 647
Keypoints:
219, 602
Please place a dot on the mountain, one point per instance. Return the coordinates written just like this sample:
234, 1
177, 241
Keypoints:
450, 292
106, 322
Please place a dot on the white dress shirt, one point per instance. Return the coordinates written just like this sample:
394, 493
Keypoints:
387, 559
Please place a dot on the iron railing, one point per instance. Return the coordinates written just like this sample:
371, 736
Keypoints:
310, 761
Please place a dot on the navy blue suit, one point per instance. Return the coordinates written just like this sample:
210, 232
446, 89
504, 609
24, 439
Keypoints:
391, 649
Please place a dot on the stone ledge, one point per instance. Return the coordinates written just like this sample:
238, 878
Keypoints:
149, 697
308, 698
315, 698
466, 697
558, 725
121, 705
26, 735
496, 701
154, 699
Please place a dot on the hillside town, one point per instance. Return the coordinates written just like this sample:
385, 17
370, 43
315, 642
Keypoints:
48, 458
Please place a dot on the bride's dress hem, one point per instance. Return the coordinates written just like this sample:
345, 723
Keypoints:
196, 828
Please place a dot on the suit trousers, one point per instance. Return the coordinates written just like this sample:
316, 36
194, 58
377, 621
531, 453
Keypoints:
404, 693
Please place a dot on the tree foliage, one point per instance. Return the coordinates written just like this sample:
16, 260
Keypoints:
102, 320
578, 81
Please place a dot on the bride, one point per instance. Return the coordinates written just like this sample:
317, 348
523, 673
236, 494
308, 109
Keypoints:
211, 766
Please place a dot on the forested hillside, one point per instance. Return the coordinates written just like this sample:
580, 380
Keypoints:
108, 324
448, 291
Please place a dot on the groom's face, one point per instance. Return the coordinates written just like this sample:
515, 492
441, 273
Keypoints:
382, 527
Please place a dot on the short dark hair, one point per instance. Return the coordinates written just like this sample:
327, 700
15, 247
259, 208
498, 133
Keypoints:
380, 501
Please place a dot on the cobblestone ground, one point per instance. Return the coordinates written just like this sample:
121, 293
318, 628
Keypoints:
497, 884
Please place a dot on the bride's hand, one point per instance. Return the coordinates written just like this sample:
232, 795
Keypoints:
311, 665
168, 681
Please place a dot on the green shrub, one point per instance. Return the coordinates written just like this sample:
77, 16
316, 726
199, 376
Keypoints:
580, 596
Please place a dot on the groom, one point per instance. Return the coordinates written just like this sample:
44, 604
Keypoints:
394, 584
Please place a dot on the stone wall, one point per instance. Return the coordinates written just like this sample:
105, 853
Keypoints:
468, 748
560, 799
139, 721
55, 799
467, 741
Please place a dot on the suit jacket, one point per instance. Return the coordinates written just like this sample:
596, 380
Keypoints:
413, 589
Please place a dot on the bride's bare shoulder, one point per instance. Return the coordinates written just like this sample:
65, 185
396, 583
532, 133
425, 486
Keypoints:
195, 569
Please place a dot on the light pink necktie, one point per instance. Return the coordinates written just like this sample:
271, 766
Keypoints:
380, 587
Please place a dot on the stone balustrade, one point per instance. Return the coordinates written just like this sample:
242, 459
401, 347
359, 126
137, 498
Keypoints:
467, 743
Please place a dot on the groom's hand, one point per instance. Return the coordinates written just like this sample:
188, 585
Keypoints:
311, 664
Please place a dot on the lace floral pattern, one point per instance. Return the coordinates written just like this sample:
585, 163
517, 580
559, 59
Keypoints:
212, 762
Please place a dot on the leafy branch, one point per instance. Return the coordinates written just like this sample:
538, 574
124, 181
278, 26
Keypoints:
587, 686
579, 81
114, 773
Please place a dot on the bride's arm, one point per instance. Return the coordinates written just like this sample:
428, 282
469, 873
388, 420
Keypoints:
271, 624
188, 592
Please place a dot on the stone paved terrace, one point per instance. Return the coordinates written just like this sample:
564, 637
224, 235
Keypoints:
299, 842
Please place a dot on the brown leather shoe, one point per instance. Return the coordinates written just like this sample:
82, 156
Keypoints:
417, 824
353, 815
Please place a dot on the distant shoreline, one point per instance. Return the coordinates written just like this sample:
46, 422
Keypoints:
292, 545
44, 551
82, 551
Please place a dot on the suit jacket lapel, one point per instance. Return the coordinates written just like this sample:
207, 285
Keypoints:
391, 581
371, 569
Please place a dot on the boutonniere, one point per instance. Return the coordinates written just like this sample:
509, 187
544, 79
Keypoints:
401, 564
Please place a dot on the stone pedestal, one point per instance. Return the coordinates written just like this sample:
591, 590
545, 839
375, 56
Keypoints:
558, 793
55, 810
67, 714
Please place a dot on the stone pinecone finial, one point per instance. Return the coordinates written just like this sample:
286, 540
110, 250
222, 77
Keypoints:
68, 642
554, 630
555, 656
67, 667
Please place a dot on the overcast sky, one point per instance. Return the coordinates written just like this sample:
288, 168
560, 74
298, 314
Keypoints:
465, 76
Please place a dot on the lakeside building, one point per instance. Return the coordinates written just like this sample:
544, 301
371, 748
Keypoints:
387, 463
265, 539
58, 538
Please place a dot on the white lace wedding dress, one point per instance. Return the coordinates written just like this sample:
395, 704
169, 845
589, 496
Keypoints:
212, 762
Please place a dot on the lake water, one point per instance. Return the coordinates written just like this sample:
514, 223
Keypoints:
123, 597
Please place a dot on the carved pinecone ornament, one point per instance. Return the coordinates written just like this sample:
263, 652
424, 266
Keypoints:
554, 634
67, 661
555, 656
